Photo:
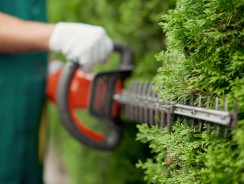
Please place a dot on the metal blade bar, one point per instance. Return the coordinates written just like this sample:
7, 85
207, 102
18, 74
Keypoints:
215, 116
142, 105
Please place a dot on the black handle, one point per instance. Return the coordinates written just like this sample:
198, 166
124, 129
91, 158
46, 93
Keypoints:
114, 130
126, 56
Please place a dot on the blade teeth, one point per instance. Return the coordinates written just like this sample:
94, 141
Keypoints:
217, 128
155, 108
226, 132
144, 106
163, 120
208, 124
216, 106
234, 116
145, 103
169, 125
170, 117
144, 88
127, 105
139, 91
191, 103
208, 128
177, 116
216, 103
200, 123
135, 99
226, 104
148, 104
151, 107
139, 97
157, 115
131, 100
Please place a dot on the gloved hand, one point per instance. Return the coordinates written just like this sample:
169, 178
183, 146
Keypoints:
83, 43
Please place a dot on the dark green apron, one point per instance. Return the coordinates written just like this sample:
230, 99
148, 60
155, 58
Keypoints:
22, 89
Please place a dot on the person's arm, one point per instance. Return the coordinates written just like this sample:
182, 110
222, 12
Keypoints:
18, 36
83, 43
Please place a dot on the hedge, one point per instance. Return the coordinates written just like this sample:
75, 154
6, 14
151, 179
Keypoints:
205, 56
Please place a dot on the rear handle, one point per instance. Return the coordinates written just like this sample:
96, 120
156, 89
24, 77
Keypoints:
126, 55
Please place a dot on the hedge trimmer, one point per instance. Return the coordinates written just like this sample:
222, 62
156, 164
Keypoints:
106, 99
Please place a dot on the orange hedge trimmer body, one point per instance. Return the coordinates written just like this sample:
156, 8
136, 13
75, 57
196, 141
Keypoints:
71, 88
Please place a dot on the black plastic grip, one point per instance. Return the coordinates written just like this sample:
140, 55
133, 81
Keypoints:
126, 56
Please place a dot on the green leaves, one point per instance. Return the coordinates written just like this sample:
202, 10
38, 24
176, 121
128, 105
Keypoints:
205, 56
185, 156
209, 34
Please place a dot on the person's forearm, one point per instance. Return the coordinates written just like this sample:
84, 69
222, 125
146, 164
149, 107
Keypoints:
18, 36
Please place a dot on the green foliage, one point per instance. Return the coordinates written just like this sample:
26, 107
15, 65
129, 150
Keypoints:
138, 24
204, 56
186, 156
206, 39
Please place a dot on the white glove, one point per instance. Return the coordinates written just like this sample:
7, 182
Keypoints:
86, 44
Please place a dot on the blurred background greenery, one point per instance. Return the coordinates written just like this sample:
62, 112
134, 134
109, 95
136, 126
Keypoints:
135, 23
